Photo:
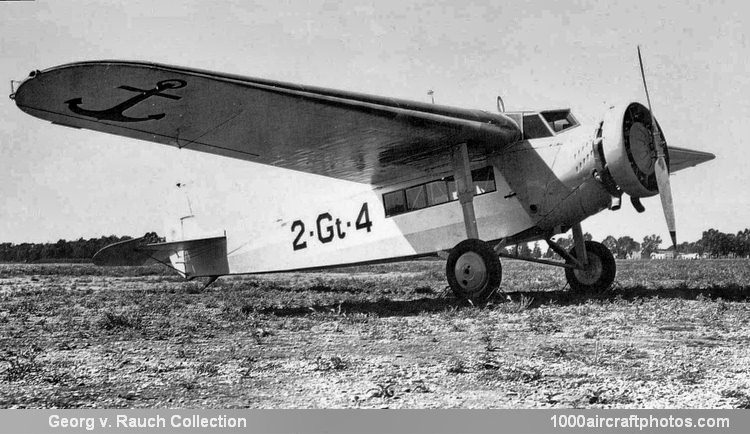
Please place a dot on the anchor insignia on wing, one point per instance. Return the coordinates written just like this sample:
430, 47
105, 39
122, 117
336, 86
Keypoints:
116, 113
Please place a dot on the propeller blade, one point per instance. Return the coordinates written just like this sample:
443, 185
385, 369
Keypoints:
665, 194
660, 168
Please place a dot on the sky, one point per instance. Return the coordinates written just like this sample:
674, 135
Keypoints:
61, 183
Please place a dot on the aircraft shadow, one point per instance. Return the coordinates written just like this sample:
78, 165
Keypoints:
381, 308
529, 299
566, 297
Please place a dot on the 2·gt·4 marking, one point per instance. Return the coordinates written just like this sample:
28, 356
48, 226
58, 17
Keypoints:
328, 228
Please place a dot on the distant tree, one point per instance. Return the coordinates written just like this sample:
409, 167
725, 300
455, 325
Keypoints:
537, 251
549, 253
611, 243
625, 246
565, 243
62, 250
5, 252
691, 247
524, 250
717, 243
742, 243
650, 244
727, 243
153, 237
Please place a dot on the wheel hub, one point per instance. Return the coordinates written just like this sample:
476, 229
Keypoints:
471, 272
592, 272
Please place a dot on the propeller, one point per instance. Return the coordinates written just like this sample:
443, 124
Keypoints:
660, 168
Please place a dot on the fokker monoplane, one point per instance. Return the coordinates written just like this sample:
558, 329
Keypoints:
464, 182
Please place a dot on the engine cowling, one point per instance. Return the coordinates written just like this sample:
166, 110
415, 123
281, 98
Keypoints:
628, 150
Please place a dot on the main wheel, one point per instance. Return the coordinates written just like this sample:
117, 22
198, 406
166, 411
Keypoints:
473, 270
599, 272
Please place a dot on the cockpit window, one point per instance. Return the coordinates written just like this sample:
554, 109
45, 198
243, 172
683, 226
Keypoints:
534, 127
559, 120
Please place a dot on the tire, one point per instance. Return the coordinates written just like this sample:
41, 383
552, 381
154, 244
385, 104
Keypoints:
473, 270
601, 269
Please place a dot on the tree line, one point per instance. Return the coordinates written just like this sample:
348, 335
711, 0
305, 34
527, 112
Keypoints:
719, 244
713, 243
79, 250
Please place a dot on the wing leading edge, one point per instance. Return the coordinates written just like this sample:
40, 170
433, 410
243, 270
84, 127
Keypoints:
346, 135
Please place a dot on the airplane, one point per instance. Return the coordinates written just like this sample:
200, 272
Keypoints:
442, 180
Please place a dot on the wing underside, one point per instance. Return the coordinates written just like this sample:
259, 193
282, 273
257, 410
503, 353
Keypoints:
356, 137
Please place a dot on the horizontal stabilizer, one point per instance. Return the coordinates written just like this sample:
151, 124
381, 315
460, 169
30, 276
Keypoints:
681, 158
124, 253
191, 258
195, 258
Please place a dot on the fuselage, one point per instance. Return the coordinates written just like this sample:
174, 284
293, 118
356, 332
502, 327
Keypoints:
534, 188
556, 176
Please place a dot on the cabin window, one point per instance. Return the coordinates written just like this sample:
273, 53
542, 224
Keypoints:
452, 189
437, 192
484, 180
416, 198
534, 127
395, 202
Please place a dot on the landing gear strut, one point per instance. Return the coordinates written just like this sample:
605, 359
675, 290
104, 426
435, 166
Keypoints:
589, 266
473, 270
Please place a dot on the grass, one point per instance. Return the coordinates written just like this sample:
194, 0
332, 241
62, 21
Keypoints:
668, 334
119, 320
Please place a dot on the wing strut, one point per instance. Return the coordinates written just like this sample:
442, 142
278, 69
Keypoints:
465, 187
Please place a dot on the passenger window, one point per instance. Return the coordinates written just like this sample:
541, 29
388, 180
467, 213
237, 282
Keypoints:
452, 188
437, 192
484, 180
394, 202
416, 197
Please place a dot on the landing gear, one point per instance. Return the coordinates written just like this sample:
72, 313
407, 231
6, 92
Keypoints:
473, 270
599, 269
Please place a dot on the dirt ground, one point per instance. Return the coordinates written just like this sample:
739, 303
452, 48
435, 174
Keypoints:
669, 334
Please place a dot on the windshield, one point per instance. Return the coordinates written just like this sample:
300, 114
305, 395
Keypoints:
534, 127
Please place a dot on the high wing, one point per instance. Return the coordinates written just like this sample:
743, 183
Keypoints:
356, 137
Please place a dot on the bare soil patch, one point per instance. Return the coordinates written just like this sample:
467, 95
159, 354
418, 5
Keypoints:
669, 334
